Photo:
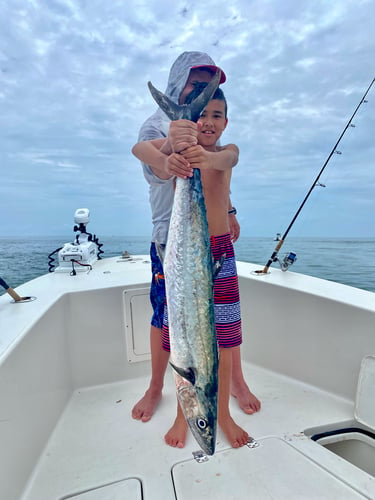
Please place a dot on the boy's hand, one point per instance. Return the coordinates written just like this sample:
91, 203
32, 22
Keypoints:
234, 227
182, 135
177, 165
198, 157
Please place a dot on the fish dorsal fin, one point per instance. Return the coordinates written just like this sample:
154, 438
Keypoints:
217, 265
187, 374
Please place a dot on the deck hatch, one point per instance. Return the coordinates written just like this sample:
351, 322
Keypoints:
122, 490
274, 470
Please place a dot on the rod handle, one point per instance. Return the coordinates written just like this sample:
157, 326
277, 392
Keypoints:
14, 294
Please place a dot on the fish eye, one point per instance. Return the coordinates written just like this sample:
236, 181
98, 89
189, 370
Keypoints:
201, 423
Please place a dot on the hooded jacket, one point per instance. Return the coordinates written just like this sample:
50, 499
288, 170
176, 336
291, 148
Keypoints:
155, 127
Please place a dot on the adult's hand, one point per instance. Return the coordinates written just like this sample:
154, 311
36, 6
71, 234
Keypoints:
182, 135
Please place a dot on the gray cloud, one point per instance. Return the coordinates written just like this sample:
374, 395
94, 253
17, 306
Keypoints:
74, 92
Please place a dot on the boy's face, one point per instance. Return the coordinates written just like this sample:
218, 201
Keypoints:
195, 76
213, 122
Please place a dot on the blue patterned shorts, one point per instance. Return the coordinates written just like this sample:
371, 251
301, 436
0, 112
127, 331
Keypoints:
157, 289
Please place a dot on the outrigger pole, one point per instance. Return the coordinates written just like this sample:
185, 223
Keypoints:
316, 182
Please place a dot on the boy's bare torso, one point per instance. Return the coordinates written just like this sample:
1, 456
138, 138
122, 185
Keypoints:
216, 194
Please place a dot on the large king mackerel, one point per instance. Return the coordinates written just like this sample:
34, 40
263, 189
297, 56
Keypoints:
188, 273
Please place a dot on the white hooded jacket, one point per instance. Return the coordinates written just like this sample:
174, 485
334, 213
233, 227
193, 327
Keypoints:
157, 126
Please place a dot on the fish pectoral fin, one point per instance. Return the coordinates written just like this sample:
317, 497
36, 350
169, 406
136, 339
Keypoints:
188, 374
217, 265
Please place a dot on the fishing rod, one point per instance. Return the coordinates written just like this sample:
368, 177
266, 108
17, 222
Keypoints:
291, 257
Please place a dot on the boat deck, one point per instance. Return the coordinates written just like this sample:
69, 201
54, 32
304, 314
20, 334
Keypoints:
97, 451
94, 329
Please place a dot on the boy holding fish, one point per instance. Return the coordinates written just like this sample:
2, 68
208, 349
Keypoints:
188, 69
215, 176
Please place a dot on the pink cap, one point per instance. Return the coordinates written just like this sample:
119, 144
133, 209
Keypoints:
214, 69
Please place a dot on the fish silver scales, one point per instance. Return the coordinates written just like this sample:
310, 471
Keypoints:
188, 274
189, 287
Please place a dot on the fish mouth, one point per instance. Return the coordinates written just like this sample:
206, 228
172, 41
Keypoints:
209, 450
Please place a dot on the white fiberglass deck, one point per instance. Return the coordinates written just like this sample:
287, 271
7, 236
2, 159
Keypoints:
97, 443
74, 362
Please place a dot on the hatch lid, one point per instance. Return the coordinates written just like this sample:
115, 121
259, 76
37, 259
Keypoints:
138, 312
365, 397
274, 470
121, 490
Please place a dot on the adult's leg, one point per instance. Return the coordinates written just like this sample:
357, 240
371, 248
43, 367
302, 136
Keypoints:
146, 406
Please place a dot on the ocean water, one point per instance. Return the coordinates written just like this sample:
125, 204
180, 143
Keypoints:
344, 260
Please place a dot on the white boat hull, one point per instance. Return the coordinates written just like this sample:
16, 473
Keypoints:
74, 361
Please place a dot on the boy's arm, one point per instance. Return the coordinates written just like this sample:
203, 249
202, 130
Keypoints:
227, 157
234, 227
230, 153
224, 158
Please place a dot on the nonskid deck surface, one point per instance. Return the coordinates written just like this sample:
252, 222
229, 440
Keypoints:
96, 442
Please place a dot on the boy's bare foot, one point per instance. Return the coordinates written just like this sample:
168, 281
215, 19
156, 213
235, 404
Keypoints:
176, 436
247, 401
236, 436
146, 406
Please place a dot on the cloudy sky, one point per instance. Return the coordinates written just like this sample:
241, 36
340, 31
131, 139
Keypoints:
73, 93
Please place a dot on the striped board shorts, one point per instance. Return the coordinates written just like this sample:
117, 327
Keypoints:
226, 297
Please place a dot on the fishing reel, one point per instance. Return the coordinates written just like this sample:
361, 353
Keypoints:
288, 260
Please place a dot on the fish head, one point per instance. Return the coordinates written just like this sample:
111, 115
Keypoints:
199, 406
